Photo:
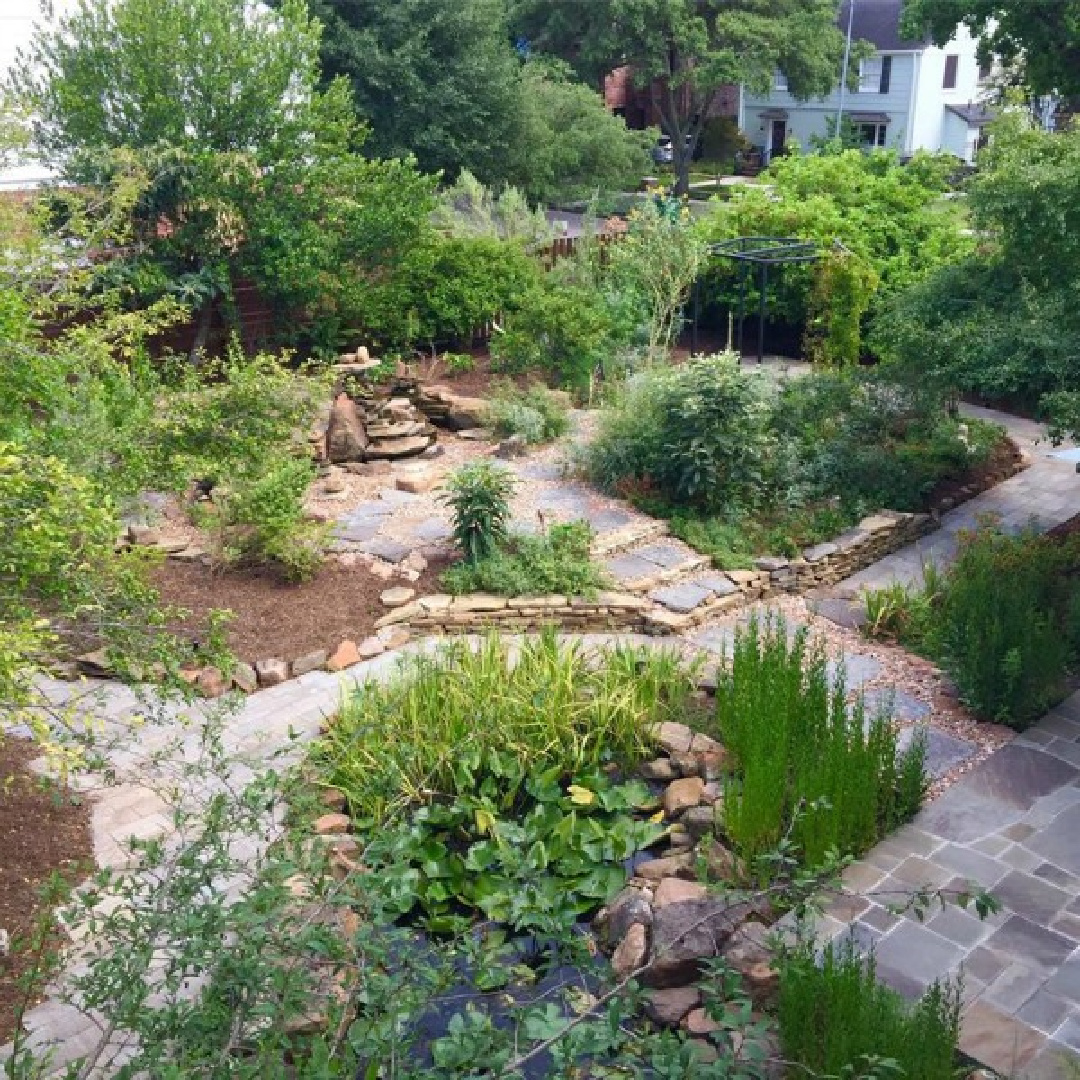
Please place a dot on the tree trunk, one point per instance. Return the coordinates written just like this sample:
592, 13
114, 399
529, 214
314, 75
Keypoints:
683, 156
202, 333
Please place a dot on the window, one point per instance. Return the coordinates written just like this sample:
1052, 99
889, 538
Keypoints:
886, 74
871, 135
779, 80
870, 75
952, 62
986, 68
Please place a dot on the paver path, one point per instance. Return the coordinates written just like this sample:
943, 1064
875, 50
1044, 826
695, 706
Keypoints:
1044, 495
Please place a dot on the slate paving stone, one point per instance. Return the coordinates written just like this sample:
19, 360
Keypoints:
1065, 982
665, 555
846, 613
1069, 1033
625, 568
943, 751
680, 598
1019, 775
355, 533
1014, 987
958, 926
903, 707
1025, 941
1059, 842
717, 639
539, 470
997, 1039
973, 866
717, 584
432, 530
1043, 1011
384, 548
604, 521
1030, 896
365, 511
391, 497
858, 670
917, 952
965, 816
985, 964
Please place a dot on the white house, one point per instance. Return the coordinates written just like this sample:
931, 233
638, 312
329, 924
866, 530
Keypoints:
911, 95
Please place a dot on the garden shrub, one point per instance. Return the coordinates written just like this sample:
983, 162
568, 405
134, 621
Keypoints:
836, 1019
536, 413
558, 561
808, 765
694, 436
259, 519
479, 496
558, 329
1001, 620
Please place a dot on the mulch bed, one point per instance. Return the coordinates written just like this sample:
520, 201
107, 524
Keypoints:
275, 618
1002, 462
42, 832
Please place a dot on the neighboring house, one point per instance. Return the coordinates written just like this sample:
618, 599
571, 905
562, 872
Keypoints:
635, 103
910, 95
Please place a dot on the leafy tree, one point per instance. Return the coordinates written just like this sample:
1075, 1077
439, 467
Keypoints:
1042, 38
685, 50
437, 80
569, 145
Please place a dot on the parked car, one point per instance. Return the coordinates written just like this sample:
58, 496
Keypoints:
663, 152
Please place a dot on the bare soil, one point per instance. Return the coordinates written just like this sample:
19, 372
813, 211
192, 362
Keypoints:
276, 618
43, 831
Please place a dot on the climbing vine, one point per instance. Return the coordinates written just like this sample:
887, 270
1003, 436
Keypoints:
844, 286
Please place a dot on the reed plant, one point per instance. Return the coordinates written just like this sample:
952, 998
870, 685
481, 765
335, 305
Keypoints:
449, 720
810, 764
836, 1019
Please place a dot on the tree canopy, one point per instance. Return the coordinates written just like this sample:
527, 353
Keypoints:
1043, 38
686, 50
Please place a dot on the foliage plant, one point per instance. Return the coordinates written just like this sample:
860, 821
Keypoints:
478, 494
843, 287
468, 208
697, 435
536, 413
556, 561
806, 760
837, 1019
1002, 619
451, 718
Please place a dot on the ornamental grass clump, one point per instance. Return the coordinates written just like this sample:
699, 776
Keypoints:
549, 704
809, 765
836, 1019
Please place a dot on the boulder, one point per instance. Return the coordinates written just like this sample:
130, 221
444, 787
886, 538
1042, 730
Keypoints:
700, 821
332, 824
271, 672
681, 865
398, 448
346, 439
344, 656
311, 661
660, 769
628, 908
682, 795
513, 447
455, 411
698, 1022
211, 683
672, 890
631, 952
673, 737
687, 933
396, 597
244, 677
670, 1005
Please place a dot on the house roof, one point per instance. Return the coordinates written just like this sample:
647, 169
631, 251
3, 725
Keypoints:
878, 21
869, 117
975, 115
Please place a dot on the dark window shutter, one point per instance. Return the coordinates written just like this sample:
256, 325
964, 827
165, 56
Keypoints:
886, 74
951, 64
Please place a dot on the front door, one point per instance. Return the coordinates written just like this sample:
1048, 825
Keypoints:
777, 138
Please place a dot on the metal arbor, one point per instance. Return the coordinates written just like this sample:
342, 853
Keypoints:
761, 252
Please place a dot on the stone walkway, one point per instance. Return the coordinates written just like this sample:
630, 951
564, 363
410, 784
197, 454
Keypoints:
1009, 824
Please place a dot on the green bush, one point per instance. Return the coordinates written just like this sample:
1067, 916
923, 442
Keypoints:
444, 290
259, 520
558, 561
432, 731
836, 1019
564, 331
1001, 620
693, 436
808, 765
536, 413
479, 496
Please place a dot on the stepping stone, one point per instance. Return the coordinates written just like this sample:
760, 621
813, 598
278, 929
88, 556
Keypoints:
901, 706
368, 512
666, 555
539, 470
391, 497
432, 530
717, 584
624, 568
356, 532
845, 613
608, 520
681, 598
717, 639
389, 550
18, 731
943, 752
858, 670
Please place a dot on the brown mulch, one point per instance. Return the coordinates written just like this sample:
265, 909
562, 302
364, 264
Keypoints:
275, 618
42, 832
1001, 463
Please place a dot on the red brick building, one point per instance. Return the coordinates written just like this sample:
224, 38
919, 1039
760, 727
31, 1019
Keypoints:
634, 103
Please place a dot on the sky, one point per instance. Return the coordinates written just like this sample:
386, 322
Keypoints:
17, 18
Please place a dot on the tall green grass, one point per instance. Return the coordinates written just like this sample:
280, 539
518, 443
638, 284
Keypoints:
834, 1014
553, 706
808, 763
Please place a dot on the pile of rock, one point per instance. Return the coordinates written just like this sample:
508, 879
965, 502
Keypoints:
666, 924
444, 407
375, 430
